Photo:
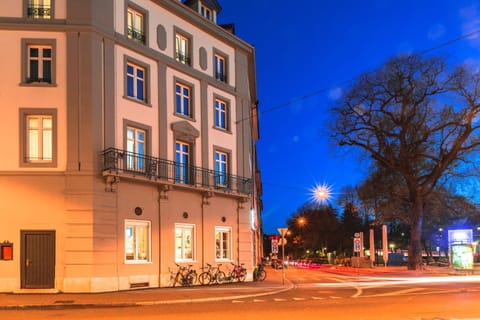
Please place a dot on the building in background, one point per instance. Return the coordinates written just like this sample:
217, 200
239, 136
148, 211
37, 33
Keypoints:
128, 134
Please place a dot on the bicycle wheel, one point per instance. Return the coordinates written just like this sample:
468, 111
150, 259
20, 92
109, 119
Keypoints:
243, 275
193, 277
261, 275
204, 278
221, 277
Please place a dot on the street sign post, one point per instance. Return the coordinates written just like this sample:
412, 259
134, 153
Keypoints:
283, 232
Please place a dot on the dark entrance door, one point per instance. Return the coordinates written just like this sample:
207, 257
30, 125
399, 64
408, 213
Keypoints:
37, 259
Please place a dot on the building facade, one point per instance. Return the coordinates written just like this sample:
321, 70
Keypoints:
128, 131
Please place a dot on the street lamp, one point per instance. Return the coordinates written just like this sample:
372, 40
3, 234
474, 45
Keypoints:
321, 193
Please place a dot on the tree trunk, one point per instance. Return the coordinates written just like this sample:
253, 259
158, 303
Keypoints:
415, 246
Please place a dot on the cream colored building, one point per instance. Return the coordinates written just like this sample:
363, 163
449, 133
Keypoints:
128, 135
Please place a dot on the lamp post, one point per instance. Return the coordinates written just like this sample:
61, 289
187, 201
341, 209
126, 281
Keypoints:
283, 232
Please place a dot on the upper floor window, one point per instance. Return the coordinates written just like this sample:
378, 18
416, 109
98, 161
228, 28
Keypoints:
38, 137
135, 142
221, 167
39, 9
183, 100
221, 114
39, 64
38, 57
220, 68
135, 76
136, 25
182, 162
182, 49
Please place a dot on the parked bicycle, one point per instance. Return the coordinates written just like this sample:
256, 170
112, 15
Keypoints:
239, 273
259, 273
212, 275
185, 276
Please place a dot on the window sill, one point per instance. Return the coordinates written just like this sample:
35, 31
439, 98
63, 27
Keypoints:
179, 115
137, 262
222, 130
37, 84
146, 104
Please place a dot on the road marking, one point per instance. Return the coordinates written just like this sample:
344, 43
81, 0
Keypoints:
395, 293
279, 299
334, 297
299, 299
258, 300
318, 298
238, 301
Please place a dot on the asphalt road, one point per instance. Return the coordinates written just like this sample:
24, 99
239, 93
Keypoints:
316, 295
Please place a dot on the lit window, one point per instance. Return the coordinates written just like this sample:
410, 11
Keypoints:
135, 149
182, 162
220, 68
221, 168
184, 242
182, 52
135, 25
39, 138
223, 243
221, 114
137, 241
182, 100
136, 82
39, 9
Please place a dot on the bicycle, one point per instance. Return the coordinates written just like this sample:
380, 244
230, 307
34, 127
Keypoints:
212, 275
185, 276
238, 273
259, 274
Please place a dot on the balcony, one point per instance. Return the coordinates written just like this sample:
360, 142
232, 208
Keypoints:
122, 163
182, 57
135, 34
39, 11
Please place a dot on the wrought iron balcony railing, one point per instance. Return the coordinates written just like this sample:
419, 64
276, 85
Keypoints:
136, 34
121, 161
39, 11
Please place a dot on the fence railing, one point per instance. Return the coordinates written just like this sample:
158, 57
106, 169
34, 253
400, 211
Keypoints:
121, 161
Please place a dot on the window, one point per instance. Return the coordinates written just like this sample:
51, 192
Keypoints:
223, 243
183, 100
38, 137
38, 56
184, 242
221, 114
220, 68
136, 149
182, 49
205, 12
136, 82
39, 9
182, 162
221, 162
39, 64
135, 25
137, 241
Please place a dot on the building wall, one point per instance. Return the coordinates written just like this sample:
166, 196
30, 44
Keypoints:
88, 209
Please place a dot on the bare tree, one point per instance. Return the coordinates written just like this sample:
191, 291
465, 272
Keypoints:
417, 119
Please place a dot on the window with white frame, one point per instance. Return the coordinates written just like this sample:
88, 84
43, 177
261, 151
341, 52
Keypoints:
38, 137
39, 66
135, 86
184, 242
220, 68
39, 9
221, 113
182, 162
182, 50
221, 167
223, 243
137, 241
135, 25
136, 151
206, 12
183, 100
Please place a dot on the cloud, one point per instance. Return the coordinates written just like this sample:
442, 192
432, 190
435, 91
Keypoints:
436, 32
335, 93
471, 22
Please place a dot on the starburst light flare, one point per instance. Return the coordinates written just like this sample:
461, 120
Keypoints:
321, 193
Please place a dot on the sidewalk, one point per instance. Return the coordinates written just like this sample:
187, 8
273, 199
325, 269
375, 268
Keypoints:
273, 284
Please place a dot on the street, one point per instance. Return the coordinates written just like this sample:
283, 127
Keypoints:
315, 295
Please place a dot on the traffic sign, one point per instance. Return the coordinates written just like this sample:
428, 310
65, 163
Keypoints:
274, 246
357, 246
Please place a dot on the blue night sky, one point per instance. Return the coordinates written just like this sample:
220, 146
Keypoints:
305, 50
